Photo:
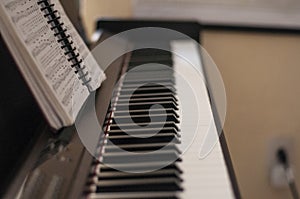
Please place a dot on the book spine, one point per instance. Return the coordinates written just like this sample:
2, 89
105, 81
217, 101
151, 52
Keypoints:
60, 32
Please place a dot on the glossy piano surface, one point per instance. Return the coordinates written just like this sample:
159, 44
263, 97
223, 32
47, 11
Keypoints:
19, 118
63, 168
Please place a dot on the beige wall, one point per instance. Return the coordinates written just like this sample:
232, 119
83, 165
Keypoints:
261, 76
93, 9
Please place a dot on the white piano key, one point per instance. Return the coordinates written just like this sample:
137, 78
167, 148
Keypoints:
203, 178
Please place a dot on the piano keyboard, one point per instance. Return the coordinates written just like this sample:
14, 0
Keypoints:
120, 175
208, 177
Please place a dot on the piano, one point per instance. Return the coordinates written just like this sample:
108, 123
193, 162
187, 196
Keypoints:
41, 163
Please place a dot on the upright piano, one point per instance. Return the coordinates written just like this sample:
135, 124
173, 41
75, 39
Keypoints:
38, 162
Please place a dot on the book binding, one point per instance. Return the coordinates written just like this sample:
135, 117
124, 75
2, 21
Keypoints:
60, 32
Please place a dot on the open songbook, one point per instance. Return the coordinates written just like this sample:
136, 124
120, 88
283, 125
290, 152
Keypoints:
51, 56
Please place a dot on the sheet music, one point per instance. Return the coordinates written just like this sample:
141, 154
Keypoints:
30, 25
95, 72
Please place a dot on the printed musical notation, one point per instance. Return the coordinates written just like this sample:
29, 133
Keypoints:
90, 63
25, 13
33, 25
32, 37
58, 78
49, 58
41, 43
13, 5
39, 39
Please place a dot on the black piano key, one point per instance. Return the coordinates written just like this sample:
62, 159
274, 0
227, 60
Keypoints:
145, 80
163, 173
145, 131
161, 81
150, 99
148, 85
160, 89
153, 58
148, 95
150, 56
133, 64
146, 112
145, 98
146, 118
136, 84
134, 195
151, 52
136, 167
155, 184
145, 105
170, 134
165, 103
158, 138
119, 158
149, 125
149, 70
148, 88
152, 68
142, 147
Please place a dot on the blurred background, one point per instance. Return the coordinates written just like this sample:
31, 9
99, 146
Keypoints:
244, 12
260, 70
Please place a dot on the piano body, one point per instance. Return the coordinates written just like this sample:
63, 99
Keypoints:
40, 163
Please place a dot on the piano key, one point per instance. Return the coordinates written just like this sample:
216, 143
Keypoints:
146, 118
137, 167
140, 124
152, 67
145, 105
169, 134
158, 138
148, 86
168, 81
142, 147
208, 177
110, 175
143, 80
159, 79
151, 99
137, 185
151, 52
146, 112
132, 74
134, 64
145, 131
134, 195
147, 95
147, 90
117, 158
147, 100
147, 58
134, 85
114, 149
143, 100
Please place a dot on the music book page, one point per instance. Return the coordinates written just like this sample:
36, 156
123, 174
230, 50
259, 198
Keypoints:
43, 61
